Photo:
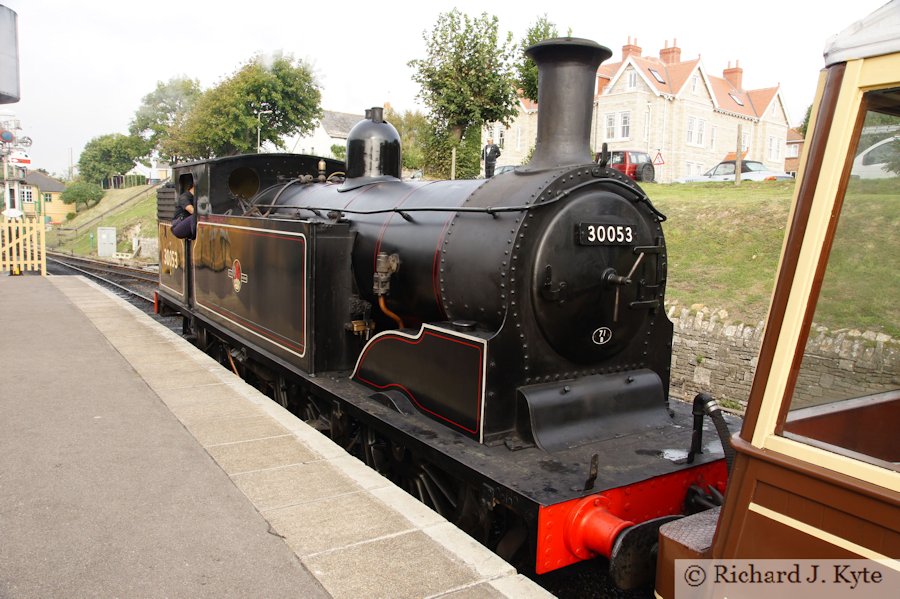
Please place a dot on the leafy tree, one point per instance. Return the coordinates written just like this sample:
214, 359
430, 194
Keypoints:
224, 119
82, 193
108, 155
438, 146
414, 131
805, 124
527, 69
339, 151
164, 109
468, 76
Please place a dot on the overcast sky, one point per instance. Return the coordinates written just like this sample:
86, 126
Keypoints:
85, 65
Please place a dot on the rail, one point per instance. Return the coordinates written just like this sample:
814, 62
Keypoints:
102, 271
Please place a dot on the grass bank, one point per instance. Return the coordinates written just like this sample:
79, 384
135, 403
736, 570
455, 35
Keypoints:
724, 243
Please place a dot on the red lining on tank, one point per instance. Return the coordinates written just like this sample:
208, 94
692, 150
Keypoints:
409, 393
264, 332
385, 226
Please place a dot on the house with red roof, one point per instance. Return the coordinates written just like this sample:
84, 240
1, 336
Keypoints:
676, 111
794, 149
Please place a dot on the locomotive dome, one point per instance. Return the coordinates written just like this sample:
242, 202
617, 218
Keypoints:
373, 150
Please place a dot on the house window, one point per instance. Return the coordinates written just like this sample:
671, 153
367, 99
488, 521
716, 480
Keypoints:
26, 195
745, 141
656, 75
48, 197
696, 131
693, 169
737, 100
618, 125
793, 151
712, 137
632, 79
501, 137
695, 83
774, 148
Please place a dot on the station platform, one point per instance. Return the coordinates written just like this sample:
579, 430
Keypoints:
134, 465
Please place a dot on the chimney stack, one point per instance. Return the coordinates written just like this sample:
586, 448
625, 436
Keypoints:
567, 71
734, 75
670, 55
629, 49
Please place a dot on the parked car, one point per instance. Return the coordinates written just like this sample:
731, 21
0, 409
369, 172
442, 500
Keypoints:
751, 170
505, 169
634, 163
873, 161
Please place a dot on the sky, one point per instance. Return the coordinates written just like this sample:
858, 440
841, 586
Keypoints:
86, 65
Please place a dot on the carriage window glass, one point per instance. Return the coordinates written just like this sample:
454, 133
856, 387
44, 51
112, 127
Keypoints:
847, 395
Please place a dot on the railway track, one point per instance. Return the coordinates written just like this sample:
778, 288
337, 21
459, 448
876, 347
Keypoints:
135, 283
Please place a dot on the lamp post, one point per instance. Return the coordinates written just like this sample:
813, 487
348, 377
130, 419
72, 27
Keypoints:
259, 126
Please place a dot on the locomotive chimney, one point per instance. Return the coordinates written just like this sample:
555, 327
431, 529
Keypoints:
567, 73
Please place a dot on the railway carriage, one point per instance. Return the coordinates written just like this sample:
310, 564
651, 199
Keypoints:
816, 467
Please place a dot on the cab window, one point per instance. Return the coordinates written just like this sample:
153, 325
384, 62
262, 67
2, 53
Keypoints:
846, 398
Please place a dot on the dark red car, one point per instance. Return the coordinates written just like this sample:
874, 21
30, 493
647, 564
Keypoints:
634, 163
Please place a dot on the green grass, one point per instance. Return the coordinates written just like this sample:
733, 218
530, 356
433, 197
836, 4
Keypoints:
860, 283
139, 219
724, 243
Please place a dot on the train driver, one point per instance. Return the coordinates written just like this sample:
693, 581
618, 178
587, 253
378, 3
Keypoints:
185, 222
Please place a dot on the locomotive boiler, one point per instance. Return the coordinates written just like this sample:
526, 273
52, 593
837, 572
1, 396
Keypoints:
497, 347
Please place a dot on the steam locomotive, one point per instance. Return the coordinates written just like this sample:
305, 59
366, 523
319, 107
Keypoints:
498, 348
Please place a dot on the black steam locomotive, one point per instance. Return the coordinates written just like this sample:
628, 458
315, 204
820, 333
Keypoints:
498, 348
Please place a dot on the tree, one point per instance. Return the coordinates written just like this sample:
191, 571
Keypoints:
437, 156
414, 132
527, 69
82, 193
805, 124
224, 121
108, 155
164, 109
339, 151
468, 76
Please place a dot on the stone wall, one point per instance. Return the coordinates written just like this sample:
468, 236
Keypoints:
719, 357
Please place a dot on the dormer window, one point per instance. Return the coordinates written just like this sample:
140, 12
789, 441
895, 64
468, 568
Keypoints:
656, 75
737, 100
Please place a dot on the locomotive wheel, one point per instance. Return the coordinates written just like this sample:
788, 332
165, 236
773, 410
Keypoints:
434, 487
280, 390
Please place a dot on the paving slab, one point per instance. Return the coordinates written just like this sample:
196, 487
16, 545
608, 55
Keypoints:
103, 493
164, 474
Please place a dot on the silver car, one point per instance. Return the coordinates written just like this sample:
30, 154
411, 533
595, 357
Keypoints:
751, 170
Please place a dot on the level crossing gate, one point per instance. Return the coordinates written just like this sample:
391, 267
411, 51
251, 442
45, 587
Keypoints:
22, 245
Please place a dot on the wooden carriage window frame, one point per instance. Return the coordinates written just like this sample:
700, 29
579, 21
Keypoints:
763, 425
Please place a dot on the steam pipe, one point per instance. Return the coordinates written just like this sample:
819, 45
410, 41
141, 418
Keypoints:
567, 75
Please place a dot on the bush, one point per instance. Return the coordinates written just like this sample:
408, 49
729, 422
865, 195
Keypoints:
81, 192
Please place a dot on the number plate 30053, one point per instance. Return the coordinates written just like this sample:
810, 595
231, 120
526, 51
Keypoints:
605, 234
